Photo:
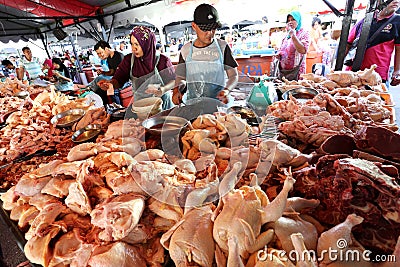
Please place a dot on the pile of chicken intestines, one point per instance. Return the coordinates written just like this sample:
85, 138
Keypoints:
114, 203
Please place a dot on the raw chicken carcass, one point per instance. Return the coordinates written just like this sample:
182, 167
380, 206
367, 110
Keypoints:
190, 241
281, 154
57, 187
86, 150
71, 250
339, 237
118, 254
292, 224
78, 200
9, 199
37, 249
118, 217
29, 187
43, 221
301, 249
149, 155
243, 212
370, 76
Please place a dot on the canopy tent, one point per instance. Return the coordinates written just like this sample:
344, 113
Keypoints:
122, 30
180, 26
361, 6
245, 23
21, 19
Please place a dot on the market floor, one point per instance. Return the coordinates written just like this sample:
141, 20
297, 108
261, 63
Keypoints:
10, 254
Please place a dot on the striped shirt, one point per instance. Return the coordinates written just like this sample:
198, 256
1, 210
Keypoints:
33, 67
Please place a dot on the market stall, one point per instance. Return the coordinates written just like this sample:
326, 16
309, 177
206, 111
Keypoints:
204, 184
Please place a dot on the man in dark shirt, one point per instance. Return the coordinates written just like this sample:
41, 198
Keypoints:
113, 58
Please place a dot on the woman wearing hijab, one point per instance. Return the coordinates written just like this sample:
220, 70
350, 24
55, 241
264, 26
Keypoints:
150, 73
62, 75
294, 46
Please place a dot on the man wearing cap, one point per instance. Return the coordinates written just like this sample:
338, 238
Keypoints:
204, 62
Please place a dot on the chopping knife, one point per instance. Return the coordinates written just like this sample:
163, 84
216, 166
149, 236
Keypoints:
41, 152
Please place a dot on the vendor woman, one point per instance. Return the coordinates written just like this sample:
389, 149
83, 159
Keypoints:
151, 74
62, 75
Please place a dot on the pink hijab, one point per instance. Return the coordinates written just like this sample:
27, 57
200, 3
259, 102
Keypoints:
147, 41
51, 68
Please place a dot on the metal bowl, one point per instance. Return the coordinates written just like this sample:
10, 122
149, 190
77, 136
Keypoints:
87, 133
245, 113
67, 118
22, 94
302, 94
165, 124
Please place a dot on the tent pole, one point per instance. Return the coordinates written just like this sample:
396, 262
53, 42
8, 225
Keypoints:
362, 42
111, 27
44, 44
75, 53
344, 34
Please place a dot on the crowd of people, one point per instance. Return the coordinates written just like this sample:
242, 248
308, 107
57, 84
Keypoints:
206, 65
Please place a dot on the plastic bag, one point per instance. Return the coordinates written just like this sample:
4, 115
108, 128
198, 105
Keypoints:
262, 95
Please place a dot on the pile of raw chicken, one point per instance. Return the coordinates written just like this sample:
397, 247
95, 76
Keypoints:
347, 101
223, 202
27, 129
10, 87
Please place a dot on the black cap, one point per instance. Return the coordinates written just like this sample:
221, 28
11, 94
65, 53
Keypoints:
206, 17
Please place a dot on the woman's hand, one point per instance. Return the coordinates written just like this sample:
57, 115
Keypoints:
105, 85
223, 96
155, 89
176, 96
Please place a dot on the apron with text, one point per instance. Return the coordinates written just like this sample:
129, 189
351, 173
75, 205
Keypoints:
140, 84
204, 78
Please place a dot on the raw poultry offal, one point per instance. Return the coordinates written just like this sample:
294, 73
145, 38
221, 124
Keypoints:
344, 186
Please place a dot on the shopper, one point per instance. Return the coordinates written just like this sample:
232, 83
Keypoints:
149, 72
204, 61
112, 59
292, 53
315, 35
380, 50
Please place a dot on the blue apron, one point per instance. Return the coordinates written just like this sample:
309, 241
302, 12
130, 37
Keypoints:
140, 84
204, 78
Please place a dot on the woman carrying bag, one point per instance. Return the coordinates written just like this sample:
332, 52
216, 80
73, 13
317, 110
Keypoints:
293, 50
